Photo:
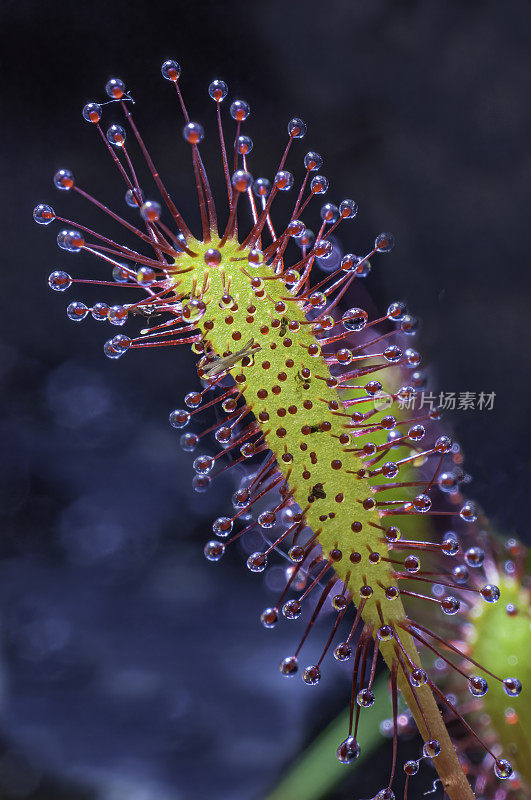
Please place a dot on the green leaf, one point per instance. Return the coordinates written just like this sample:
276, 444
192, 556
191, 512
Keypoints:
317, 770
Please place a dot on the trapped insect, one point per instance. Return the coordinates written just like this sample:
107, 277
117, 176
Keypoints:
338, 474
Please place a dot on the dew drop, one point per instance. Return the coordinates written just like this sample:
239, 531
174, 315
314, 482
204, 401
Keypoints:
59, 280
77, 311
223, 435
411, 564
478, 686
468, 512
150, 211
329, 212
131, 199
443, 444
431, 749
226, 301
348, 209
269, 617
71, 241
121, 343
247, 450
116, 135
120, 274
200, 483
339, 602
296, 128
296, 228
422, 503
362, 267
117, 315
409, 325
490, 593
218, 90
63, 180
343, 356
257, 562
311, 675
306, 239
419, 380
416, 432
240, 110
503, 769
396, 311
365, 698
385, 794
413, 358
203, 464
385, 633
348, 751
193, 133
115, 89
406, 394
240, 498
43, 214
323, 248
317, 300
448, 482
92, 113
319, 184
512, 687
222, 526
189, 442
450, 605
373, 388
474, 557
284, 180
354, 319
261, 187
296, 553
352, 263
194, 310
244, 145
193, 399
460, 574
418, 677
266, 519
392, 353
145, 276
390, 469
292, 609
289, 666
214, 550
110, 351
342, 651
384, 242
242, 180
450, 544
393, 534
212, 257
171, 70
313, 161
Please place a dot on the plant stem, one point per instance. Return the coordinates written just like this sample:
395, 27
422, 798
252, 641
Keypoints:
447, 764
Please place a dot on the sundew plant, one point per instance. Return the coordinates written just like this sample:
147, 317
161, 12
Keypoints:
312, 398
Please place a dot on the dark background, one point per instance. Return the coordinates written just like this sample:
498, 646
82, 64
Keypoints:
131, 667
